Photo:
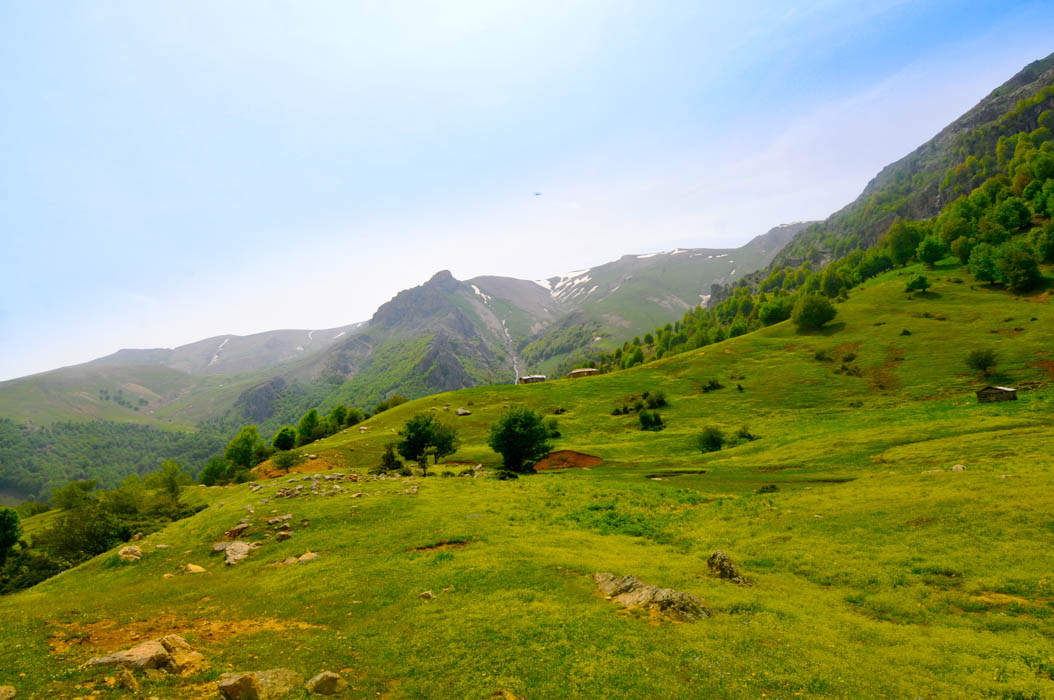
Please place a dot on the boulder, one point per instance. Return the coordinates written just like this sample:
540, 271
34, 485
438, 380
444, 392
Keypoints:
235, 531
463, 412
427, 595
193, 569
959, 468
170, 654
259, 685
307, 556
631, 592
283, 535
236, 551
722, 565
7, 692
130, 553
219, 546
326, 683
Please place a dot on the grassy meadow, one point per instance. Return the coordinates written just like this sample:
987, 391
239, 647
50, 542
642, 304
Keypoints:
875, 570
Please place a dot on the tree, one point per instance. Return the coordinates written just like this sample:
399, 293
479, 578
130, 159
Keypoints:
75, 494
711, 439
338, 415
307, 427
425, 435
10, 532
649, 339
285, 460
832, 282
170, 479
961, 248
1013, 214
285, 438
982, 360
812, 312
1019, 267
917, 283
774, 311
521, 438
240, 448
389, 462
902, 240
217, 471
1043, 242
983, 263
930, 251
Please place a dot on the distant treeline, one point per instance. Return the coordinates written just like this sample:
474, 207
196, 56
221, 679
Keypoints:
34, 461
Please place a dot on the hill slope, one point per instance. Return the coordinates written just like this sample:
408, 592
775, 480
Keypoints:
863, 559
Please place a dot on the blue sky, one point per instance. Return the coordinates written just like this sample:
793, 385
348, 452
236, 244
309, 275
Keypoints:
173, 171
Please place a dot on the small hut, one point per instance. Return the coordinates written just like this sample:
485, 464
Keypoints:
531, 379
583, 372
996, 393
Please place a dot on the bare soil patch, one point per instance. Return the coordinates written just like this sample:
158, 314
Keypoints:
566, 459
109, 635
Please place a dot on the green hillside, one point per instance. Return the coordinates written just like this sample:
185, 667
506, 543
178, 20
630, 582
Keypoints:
864, 550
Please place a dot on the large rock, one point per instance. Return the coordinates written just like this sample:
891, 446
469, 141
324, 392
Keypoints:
171, 654
326, 683
722, 565
130, 553
259, 685
236, 551
193, 569
7, 692
631, 592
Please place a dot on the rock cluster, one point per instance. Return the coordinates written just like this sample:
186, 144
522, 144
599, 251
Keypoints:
170, 654
276, 683
130, 553
631, 592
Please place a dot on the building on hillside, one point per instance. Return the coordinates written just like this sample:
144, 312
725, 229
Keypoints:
582, 372
531, 379
996, 393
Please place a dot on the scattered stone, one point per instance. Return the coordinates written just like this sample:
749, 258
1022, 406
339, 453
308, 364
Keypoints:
160, 546
283, 535
218, 547
933, 471
167, 576
326, 683
236, 551
7, 692
259, 685
307, 556
193, 569
312, 456
170, 654
722, 565
237, 530
1005, 476
130, 553
631, 592
427, 595
126, 680
137, 536
463, 412
959, 468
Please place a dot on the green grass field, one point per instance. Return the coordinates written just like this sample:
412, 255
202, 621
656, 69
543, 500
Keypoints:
872, 574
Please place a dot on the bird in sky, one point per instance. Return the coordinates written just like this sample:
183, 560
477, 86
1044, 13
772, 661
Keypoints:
537, 194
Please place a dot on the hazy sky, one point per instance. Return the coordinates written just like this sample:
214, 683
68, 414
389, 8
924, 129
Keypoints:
171, 171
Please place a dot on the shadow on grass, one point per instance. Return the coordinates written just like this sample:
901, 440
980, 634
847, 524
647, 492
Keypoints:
828, 330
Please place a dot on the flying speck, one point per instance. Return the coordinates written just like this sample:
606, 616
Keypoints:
537, 194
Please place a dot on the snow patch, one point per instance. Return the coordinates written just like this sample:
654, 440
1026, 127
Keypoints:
216, 355
300, 348
338, 335
595, 287
544, 284
644, 257
479, 293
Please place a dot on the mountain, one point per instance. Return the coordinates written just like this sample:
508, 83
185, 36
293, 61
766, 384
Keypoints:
950, 164
442, 335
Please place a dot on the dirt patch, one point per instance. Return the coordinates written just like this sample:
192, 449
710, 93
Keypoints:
267, 470
1044, 365
992, 598
566, 459
883, 377
443, 545
109, 635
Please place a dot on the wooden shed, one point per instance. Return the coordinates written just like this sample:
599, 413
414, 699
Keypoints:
583, 372
531, 379
996, 393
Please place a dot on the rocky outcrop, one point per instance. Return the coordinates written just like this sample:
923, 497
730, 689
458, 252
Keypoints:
130, 553
326, 683
236, 552
631, 592
722, 565
259, 685
170, 654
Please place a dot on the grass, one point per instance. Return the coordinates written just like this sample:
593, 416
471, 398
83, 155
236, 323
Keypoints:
871, 576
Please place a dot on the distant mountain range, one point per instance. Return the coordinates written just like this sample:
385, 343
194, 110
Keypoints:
445, 334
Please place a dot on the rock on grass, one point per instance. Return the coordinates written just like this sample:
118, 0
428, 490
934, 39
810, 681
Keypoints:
631, 592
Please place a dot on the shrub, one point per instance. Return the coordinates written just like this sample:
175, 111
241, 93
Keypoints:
917, 283
553, 426
711, 439
712, 385
982, 360
768, 488
930, 251
521, 438
813, 312
285, 438
655, 399
506, 475
286, 460
650, 420
1019, 268
744, 435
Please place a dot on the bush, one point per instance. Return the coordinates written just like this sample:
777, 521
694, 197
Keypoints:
654, 399
712, 385
285, 438
553, 426
768, 488
813, 312
506, 475
389, 461
521, 438
1019, 268
744, 435
917, 283
982, 360
650, 420
286, 460
711, 439
930, 251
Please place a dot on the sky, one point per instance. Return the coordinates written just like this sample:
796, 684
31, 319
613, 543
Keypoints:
172, 171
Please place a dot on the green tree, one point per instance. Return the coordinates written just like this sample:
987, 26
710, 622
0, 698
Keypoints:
1013, 214
982, 360
930, 251
75, 494
240, 448
902, 240
389, 461
831, 283
917, 283
285, 438
983, 264
961, 248
774, 311
10, 532
1019, 268
169, 480
338, 415
521, 438
1043, 242
424, 435
812, 312
285, 460
217, 471
710, 439
308, 426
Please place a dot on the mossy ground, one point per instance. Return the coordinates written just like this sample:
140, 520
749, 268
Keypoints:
869, 576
